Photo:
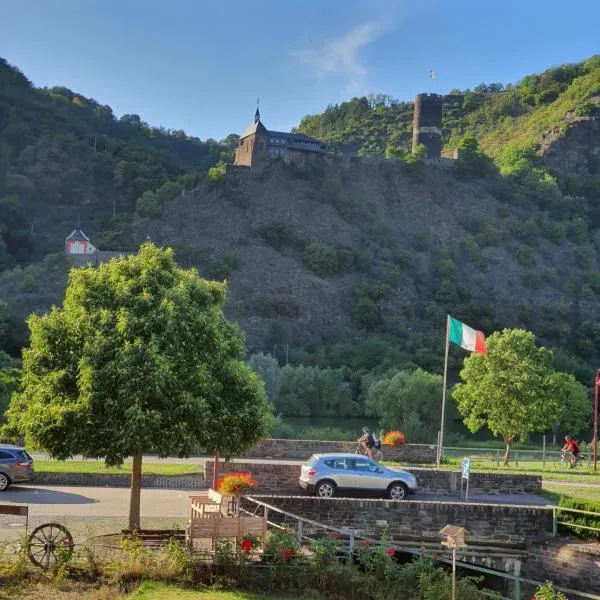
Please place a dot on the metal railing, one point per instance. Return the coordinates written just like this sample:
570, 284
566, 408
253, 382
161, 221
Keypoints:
556, 522
353, 536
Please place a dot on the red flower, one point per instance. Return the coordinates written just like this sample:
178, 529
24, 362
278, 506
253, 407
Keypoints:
366, 542
286, 554
390, 552
246, 545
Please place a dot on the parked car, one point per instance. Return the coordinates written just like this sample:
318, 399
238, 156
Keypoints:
328, 475
16, 466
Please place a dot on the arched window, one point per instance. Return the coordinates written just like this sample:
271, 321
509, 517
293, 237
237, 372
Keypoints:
262, 146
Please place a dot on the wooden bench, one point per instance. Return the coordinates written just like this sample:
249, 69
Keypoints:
19, 510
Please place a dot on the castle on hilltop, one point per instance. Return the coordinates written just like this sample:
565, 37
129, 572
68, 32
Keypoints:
257, 145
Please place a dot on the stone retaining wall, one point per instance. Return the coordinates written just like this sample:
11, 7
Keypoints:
283, 479
102, 480
303, 449
570, 564
500, 524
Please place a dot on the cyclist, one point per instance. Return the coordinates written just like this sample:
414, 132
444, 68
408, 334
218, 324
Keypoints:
367, 441
572, 447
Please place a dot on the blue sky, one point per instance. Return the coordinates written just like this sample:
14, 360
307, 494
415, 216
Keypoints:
199, 65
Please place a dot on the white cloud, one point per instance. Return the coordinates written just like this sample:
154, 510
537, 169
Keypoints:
343, 56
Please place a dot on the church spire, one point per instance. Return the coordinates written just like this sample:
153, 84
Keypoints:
257, 113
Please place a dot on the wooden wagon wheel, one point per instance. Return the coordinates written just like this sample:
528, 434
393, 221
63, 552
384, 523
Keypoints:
49, 544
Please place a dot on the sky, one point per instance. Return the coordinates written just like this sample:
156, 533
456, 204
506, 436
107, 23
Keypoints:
200, 66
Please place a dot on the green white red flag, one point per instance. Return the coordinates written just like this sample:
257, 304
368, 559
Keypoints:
466, 337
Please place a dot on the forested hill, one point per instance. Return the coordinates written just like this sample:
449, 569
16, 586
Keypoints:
500, 117
64, 156
348, 263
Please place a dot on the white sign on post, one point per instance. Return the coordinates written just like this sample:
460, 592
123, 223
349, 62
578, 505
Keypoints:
466, 468
466, 471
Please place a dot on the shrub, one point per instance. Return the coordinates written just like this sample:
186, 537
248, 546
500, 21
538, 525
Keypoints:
393, 438
235, 484
583, 520
547, 592
277, 233
216, 174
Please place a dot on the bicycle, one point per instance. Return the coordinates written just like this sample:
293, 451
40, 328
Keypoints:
376, 454
564, 461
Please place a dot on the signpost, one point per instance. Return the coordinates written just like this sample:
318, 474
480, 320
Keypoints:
466, 471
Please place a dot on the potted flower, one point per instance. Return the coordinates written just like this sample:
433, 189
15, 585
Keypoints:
235, 484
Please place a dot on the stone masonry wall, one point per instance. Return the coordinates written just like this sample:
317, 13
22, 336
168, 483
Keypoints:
303, 449
568, 563
508, 525
101, 480
282, 478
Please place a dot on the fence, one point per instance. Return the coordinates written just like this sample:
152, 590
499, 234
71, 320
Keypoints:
556, 522
306, 530
534, 459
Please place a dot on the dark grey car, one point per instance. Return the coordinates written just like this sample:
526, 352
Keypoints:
16, 466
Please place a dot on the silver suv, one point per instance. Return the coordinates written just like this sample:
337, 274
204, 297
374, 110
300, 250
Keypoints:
16, 466
329, 474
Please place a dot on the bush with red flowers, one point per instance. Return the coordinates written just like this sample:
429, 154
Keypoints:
235, 484
393, 438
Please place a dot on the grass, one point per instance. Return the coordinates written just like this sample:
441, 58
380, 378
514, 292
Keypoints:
147, 591
157, 591
554, 492
98, 468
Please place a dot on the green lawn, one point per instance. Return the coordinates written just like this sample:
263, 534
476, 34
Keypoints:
554, 491
97, 467
157, 591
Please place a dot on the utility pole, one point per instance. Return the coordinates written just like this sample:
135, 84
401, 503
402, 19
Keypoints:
595, 442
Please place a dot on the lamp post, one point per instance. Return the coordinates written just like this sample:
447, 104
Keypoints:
595, 442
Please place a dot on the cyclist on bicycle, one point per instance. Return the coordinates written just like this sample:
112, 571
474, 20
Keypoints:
572, 447
367, 441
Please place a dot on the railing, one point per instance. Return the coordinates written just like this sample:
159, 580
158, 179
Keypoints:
556, 522
353, 536
494, 457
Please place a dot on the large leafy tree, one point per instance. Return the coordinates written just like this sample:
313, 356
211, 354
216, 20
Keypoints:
512, 390
406, 401
576, 409
139, 357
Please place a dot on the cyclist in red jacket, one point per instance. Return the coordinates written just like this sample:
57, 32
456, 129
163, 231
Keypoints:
572, 447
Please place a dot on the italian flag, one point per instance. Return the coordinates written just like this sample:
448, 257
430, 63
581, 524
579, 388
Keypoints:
464, 336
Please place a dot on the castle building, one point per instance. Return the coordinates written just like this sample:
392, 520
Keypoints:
427, 124
257, 145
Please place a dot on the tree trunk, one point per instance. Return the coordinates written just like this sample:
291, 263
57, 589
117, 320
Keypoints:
134, 500
554, 436
508, 443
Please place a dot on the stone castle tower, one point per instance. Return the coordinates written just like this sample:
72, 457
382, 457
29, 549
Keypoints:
427, 124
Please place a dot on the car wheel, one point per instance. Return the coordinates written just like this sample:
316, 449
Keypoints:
325, 489
4, 481
397, 491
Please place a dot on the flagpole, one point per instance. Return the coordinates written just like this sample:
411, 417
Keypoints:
441, 441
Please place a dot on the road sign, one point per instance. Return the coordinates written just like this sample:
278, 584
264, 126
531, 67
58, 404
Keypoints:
466, 468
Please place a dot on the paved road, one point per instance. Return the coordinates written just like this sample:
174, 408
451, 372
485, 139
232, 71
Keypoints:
82, 501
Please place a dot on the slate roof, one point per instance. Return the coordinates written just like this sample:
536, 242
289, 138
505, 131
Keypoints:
78, 236
253, 128
298, 137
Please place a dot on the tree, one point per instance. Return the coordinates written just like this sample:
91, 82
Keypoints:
513, 390
268, 368
576, 408
139, 357
407, 401
9, 381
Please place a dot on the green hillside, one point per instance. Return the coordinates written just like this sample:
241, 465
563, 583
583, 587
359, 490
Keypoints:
64, 156
351, 263
499, 116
